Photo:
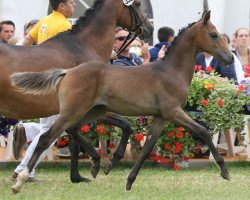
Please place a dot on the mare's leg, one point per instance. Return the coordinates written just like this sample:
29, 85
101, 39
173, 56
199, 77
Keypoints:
74, 148
184, 120
93, 114
155, 131
117, 120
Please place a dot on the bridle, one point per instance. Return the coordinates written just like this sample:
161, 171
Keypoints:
137, 31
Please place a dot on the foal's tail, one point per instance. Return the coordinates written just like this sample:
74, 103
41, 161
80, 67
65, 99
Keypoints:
37, 82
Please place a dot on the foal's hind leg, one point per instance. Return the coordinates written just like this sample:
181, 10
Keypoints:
117, 120
155, 131
44, 142
184, 120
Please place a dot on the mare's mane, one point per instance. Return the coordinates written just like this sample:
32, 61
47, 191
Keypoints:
89, 13
83, 20
176, 39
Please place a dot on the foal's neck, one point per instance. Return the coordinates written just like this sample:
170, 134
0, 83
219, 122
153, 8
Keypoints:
181, 59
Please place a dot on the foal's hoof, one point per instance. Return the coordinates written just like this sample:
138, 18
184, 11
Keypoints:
80, 179
106, 166
15, 189
225, 176
95, 170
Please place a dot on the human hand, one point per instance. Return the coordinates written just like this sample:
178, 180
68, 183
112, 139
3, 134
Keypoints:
145, 53
162, 51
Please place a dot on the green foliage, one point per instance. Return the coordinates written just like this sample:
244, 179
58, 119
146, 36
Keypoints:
220, 101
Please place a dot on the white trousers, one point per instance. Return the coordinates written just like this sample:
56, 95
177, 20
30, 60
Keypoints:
33, 132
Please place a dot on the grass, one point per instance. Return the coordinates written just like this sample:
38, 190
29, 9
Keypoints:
153, 182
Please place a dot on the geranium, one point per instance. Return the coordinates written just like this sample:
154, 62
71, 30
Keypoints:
209, 69
85, 129
221, 107
139, 136
174, 146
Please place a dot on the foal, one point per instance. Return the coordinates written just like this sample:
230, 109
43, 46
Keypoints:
159, 89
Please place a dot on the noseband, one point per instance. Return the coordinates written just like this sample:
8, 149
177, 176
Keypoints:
137, 31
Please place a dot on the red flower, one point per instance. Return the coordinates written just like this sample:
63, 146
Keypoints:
176, 167
178, 147
170, 134
197, 67
100, 129
180, 129
179, 135
110, 126
209, 86
209, 69
220, 102
139, 136
112, 146
62, 142
204, 102
240, 88
167, 147
99, 151
85, 129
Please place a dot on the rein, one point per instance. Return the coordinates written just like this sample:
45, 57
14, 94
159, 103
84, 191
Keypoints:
138, 31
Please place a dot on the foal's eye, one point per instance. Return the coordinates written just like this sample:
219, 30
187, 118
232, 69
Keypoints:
214, 35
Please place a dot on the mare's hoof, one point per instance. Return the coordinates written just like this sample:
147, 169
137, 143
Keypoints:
95, 170
225, 176
128, 186
106, 166
80, 179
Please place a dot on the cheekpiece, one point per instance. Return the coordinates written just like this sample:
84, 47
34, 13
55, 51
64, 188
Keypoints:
128, 2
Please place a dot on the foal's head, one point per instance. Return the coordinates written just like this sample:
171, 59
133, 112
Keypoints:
209, 40
136, 19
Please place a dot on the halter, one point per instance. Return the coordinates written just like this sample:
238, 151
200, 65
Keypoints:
137, 31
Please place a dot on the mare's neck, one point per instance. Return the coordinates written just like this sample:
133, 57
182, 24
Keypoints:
98, 33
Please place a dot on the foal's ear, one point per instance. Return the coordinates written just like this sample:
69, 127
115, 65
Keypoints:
206, 17
203, 14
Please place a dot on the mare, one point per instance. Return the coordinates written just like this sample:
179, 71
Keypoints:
91, 38
159, 89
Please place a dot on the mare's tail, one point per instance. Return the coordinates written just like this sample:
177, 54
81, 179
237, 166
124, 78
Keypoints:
37, 82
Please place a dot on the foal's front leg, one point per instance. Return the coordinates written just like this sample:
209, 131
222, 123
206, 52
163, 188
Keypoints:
155, 131
182, 119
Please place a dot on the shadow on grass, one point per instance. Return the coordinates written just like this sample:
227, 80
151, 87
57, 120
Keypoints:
121, 165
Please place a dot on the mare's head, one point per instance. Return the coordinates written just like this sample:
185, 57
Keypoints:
209, 40
132, 17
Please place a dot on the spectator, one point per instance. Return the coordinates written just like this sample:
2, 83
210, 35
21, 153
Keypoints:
237, 65
46, 28
140, 48
126, 58
233, 41
165, 37
242, 49
27, 27
7, 30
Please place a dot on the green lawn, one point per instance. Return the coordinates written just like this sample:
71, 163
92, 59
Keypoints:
153, 182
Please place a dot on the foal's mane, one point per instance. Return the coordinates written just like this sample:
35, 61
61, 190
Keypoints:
176, 39
89, 13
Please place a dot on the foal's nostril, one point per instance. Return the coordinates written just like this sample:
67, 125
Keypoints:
233, 58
